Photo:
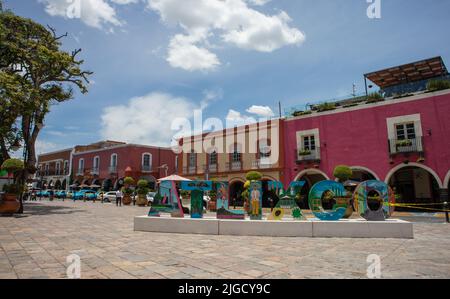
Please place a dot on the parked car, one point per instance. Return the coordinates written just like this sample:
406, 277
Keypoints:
82, 194
61, 194
45, 193
109, 196
151, 196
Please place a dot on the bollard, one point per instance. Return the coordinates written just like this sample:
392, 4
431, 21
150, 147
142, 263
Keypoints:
446, 212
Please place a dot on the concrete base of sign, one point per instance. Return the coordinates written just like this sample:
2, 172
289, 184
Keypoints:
353, 228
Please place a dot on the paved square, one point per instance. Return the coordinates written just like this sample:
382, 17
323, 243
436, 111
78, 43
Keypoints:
36, 245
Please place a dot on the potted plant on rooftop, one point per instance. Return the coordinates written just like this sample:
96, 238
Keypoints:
142, 190
343, 173
11, 203
127, 191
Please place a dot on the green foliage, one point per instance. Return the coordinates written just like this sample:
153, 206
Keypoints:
326, 107
304, 152
12, 165
342, 173
374, 98
405, 142
435, 85
142, 183
128, 181
34, 74
253, 176
127, 191
301, 113
142, 187
13, 188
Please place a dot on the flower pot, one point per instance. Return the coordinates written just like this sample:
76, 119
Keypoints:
126, 200
10, 204
141, 201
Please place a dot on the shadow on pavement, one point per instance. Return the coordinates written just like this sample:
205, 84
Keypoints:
35, 208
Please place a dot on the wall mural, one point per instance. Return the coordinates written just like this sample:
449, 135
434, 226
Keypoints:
223, 205
374, 200
286, 204
255, 192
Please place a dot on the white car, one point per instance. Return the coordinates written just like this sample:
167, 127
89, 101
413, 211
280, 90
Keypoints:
109, 196
151, 196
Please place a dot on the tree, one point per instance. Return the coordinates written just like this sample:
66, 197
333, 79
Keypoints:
34, 74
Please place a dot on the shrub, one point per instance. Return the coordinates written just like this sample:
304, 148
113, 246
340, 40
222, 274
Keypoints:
435, 85
374, 98
326, 107
12, 165
142, 184
304, 152
253, 176
127, 191
128, 181
301, 113
404, 142
342, 173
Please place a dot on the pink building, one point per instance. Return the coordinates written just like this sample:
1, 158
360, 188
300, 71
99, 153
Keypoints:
108, 165
404, 142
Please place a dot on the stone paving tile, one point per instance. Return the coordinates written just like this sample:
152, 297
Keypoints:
36, 245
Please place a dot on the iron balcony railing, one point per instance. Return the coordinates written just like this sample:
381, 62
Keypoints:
189, 170
95, 170
261, 164
211, 168
234, 166
397, 146
304, 155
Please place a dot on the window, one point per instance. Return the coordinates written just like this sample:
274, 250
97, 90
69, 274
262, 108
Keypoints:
176, 163
146, 161
309, 143
236, 156
192, 159
66, 167
264, 149
113, 160
47, 169
58, 168
405, 131
213, 158
96, 164
81, 166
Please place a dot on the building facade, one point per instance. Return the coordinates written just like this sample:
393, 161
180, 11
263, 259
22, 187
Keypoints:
229, 154
109, 164
404, 142
54, 169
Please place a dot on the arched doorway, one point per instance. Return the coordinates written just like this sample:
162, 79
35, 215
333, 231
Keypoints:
236, 188
58, 185
362, 174
151, 181
447, 183
107, 185
414, 184
310, 177
64, 184
50, 185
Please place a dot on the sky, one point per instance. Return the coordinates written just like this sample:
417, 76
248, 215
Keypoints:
158, 60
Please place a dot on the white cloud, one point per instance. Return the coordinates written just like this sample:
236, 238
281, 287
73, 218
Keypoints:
262, 111
123, 2
232, 20
210, 96
94, 13
146, 119
235, 118
185, 54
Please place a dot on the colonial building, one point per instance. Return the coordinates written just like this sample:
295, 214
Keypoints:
402, 139
54, 169
107, 163
228, 155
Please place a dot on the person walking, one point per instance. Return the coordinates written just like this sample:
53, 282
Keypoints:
119, 196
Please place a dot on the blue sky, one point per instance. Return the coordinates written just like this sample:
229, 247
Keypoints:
154, 60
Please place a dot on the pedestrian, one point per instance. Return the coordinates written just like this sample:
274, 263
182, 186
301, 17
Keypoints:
134, 198
101, 197
119, 196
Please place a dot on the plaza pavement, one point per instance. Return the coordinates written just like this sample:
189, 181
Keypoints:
36, 244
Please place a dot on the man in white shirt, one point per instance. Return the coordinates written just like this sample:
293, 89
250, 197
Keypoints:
119, 196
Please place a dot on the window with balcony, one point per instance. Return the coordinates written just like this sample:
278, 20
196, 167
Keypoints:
58, 168
113, 164
192, 162
47, 169
66, 167
405, 134
80, 167
212, 161
236, 158
146, 162
308, 145
96, 165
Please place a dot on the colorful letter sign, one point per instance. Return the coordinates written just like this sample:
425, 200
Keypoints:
373, 200
223, 211
197, 189
255, 193
167, 201
331, 190
287, 203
